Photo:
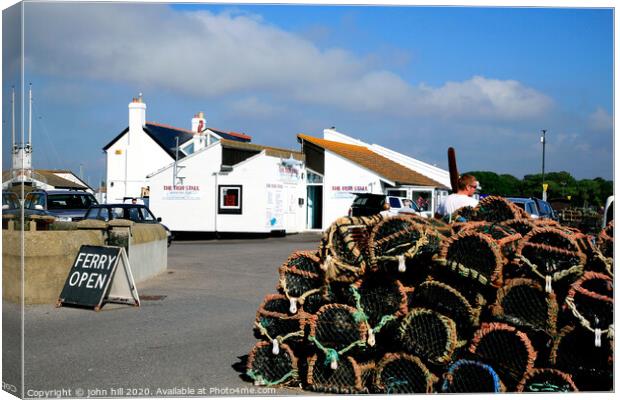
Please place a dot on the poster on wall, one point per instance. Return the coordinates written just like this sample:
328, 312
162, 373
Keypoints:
182, 192
275, 205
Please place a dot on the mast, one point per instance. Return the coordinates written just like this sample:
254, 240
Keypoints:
14, 147
29, 144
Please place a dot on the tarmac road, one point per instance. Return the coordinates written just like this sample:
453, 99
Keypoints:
190, 339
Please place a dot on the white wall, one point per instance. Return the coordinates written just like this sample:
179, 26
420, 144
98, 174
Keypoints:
341, 178
126, 172
189, 207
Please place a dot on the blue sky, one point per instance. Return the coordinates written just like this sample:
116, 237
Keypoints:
414, 79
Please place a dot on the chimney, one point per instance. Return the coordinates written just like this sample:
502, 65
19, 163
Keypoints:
137, 115
196, 122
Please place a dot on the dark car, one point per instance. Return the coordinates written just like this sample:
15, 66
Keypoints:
134, 212
366, 204
65, 205
10, 204
545, 209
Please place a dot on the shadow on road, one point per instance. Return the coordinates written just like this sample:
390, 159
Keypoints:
240, 366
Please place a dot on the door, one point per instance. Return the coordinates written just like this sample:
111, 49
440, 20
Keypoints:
315, 206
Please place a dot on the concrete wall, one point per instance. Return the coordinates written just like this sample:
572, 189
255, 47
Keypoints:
49, 255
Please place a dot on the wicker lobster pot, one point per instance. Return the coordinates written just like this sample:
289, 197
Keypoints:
591, 366
398, 244
496, 209
590, 303
428, 334
300, 277
265, 367
506, 238
470, 376
551, 256
350, 377
403, 373
506, 349
275, 322
449, 301
547, 380
343, 249
605, 240
525, 304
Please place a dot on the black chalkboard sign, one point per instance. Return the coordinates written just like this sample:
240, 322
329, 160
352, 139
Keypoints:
98, 275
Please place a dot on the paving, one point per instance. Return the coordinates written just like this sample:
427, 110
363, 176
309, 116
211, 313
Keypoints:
188, 337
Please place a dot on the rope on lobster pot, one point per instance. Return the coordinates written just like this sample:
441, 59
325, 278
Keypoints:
550, 278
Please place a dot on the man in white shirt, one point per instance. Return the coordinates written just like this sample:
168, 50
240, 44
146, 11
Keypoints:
466, 188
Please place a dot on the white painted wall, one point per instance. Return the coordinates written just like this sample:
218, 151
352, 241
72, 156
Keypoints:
268, 194
342, 177
189, 208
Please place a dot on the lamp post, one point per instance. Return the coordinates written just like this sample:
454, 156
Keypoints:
542, 140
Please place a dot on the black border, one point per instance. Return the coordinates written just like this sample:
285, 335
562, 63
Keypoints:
219, 200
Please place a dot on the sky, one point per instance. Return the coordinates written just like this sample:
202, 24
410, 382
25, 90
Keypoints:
484, 80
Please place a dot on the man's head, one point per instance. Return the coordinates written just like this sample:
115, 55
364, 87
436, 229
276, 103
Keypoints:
467, 185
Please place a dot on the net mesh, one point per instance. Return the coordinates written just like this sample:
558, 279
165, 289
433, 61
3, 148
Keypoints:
397, 240
496, 209
428, 334
337, 329
506, 237
274, 321
522, 226
349, 378
265, 367
403, 373
547, 380
446, 300
590, 366
525, 304
344, 248
506, 349
470, 376
590, 301
605, 240
380, 301
474, 256
305, 261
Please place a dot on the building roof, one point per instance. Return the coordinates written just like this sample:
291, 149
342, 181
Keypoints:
270, 151
368, 159
165, 136
49, 177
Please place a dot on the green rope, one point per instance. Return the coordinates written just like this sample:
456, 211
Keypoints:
384, 320
258, 378
332, 354
545, 387
359, 315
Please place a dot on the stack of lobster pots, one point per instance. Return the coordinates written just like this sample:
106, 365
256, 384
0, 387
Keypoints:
489, 300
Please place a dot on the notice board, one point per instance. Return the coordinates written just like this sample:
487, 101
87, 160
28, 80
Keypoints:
99, 275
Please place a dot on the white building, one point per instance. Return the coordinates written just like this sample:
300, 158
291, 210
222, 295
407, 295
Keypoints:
232, 187
144, 147
339, 166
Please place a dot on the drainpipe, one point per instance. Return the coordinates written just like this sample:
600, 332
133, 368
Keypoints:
215, 174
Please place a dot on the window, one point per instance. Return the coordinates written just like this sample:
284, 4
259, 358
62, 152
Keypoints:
397, 193
394, 202
229, 199
104, 214
146, 215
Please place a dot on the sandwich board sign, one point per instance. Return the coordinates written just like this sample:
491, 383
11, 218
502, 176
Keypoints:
99, 275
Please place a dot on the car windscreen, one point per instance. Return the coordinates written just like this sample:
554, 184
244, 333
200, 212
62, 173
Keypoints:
70, 201
9, 200
368, 201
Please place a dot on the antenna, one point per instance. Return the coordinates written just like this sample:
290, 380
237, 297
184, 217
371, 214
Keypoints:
29, 144
13, 120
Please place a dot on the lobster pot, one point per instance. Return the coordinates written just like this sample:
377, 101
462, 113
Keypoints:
590, 366
605, 240
313, 302
439, 226
474, 257
526, 305
337, 327
428, 334
496, 209
269, 369
522, 226
398, 244
343, 248
304, 261
297, 285
506, 349
547, 380
446, 300
506, 238
274, 320
551, 256
379, 299
403, 373
469, 376
590, 301
349, 378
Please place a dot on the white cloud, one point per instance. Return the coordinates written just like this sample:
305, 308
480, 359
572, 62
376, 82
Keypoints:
215, 55
600, 120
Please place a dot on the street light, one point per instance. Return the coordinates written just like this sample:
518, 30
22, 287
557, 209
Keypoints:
542, 140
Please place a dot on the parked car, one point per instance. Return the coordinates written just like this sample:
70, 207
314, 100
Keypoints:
65, 205
545, 210
134, 212
366, 204
10, 203
527, 204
